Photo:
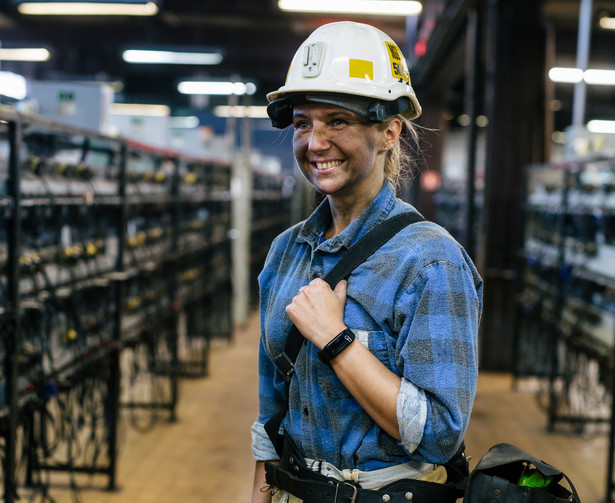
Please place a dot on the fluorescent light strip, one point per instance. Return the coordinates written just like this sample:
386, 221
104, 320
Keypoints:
140, 109
374, 7
607, 23
13, 85
574, 75
600, 77
171, 57
216, 88
87, 9
598, 126
188, 122
253, 112
24, 54
566, 75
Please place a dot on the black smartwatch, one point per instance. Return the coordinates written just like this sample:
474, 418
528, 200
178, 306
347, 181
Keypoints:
340, 342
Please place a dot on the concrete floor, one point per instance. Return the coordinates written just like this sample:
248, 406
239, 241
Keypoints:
205, 455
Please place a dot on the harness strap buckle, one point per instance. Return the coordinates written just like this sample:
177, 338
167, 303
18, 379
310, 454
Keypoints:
353, 498
285, 366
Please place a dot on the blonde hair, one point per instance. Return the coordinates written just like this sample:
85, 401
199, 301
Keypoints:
401, 159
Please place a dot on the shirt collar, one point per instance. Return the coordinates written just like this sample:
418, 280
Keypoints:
316, 225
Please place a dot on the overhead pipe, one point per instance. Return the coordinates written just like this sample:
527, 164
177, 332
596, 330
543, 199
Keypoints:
577, 129
583, 46
472, 79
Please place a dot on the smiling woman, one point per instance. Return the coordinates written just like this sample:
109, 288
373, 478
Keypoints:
342, 155
381, 393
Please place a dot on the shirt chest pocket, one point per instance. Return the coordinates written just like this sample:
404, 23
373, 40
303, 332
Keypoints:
376, 342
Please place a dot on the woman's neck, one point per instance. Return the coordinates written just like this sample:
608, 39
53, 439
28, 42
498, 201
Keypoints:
345, 210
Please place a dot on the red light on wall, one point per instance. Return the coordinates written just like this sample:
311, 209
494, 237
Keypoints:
420, 48
430, 181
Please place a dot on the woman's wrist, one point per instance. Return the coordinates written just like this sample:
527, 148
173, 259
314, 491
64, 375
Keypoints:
336, 346
330, 334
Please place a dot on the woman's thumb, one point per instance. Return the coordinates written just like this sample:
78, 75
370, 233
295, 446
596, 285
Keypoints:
340, 290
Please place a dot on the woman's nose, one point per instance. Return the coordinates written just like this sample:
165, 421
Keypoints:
319, 139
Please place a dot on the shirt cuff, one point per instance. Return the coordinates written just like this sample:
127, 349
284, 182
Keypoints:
411, 414
262, 448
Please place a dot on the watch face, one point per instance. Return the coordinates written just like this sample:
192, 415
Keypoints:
340, 342
348, 338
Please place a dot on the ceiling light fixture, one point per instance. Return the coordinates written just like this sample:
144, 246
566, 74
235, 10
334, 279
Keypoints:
598, 126
373, 7
216, 88
187, 122
253, 112
574, 75
607, 22
171, 57
600, 77
566, 75
67, 8
24, 54
140, 109
13, 85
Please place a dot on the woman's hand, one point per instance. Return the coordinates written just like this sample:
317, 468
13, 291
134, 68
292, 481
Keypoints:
318, 311
258, 494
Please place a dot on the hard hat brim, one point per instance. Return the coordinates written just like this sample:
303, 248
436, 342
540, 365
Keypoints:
280, 110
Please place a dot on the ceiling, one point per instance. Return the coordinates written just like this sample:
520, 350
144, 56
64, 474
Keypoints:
258, 41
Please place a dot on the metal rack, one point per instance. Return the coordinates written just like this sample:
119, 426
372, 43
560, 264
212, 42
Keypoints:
115, 271
565, 334
272, 213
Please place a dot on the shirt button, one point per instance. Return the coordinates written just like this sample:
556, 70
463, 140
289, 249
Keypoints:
408, 495
386, 498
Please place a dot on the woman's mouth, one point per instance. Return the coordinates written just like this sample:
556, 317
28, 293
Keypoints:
322, 166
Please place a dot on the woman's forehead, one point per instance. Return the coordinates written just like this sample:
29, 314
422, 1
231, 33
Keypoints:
323, 109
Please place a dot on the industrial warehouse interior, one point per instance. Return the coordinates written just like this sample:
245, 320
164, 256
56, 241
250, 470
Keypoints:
143, 184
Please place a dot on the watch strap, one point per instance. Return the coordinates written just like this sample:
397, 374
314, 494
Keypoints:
338, 344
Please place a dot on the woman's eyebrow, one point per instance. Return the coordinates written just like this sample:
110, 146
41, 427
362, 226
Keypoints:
346, 114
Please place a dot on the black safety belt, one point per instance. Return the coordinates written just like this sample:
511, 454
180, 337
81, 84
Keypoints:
356, 255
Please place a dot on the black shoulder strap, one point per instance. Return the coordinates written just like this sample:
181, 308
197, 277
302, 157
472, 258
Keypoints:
356, 255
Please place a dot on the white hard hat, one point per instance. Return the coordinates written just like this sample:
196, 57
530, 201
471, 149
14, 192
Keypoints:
352, 65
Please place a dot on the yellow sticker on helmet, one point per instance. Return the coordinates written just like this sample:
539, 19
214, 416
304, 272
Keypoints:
398, 63
361, 69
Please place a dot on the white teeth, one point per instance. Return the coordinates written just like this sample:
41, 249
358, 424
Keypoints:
327, 165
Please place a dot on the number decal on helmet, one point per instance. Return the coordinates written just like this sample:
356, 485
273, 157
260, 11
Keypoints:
398, 63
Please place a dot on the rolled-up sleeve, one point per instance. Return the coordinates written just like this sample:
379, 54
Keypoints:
437, 357
262, 448
411, 414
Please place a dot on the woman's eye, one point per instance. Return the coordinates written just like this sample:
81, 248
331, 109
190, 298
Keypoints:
338, 122
300, 124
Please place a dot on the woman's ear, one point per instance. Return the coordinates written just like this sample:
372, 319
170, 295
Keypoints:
392, 130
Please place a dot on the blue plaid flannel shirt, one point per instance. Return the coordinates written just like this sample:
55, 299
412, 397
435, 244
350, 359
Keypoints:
415, 303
